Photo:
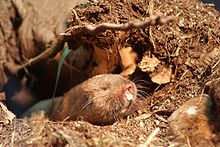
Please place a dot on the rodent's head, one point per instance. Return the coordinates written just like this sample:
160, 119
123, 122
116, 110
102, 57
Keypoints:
111, 96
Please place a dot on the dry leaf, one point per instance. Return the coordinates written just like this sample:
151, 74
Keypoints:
128, 60
106, 60
143, 116
148, 64
162, 76
6, 116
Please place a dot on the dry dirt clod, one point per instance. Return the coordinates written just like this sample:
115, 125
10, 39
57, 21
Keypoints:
191, 45
6, 116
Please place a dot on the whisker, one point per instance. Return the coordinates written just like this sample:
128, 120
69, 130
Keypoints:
142, 87
85, 105
141, 81
143, 92
133, 107
141, 95
116, 116
134, 79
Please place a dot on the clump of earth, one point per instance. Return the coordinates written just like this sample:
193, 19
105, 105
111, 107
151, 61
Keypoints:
179, 58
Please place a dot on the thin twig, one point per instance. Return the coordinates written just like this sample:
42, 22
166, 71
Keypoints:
188, 141
78, 31
92, 29
151, 10
215, 64
13, 138
51, 52
76, 16
151, 136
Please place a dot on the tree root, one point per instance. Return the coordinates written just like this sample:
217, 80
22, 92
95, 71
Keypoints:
76, 31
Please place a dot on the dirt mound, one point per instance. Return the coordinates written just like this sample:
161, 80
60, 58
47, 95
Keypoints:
188, 47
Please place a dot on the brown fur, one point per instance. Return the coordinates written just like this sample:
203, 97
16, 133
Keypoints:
193, 122
213, 88
99, 100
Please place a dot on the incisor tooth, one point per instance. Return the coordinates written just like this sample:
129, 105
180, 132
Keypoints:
128, 95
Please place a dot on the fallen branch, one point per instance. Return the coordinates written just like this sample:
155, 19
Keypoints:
92, 29
51, 52
77, 31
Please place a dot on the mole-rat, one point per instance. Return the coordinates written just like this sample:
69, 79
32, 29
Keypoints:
192, 122
102, 99
196, 122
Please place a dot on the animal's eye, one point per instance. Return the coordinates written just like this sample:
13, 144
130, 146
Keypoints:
104, 88
85, 98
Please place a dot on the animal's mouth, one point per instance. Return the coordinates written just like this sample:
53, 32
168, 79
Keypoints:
129, 94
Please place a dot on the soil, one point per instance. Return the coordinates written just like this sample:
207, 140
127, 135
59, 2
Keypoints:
190, 46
